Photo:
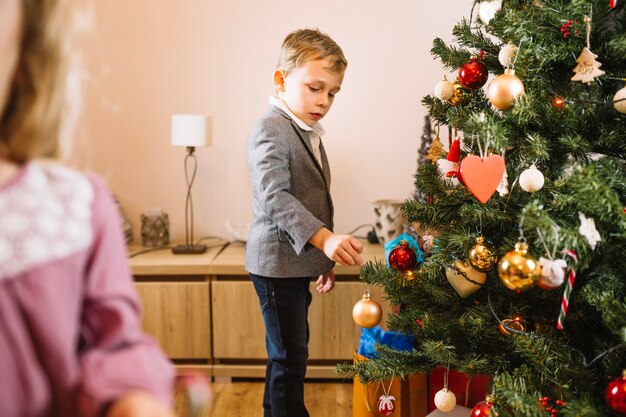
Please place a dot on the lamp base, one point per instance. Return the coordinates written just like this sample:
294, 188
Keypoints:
188, 249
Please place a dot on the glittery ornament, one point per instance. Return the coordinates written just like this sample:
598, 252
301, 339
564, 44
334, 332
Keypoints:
445, 400
460, 96
444, 89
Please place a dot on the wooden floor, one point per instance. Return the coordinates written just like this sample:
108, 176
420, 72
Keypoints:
245, 399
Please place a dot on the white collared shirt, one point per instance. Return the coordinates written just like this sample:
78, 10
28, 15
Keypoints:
315, 132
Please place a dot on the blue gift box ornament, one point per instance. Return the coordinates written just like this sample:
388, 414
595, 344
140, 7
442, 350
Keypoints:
376, 335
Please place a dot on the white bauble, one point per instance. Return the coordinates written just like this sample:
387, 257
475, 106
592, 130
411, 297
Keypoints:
487, 10
552, 273
531, 179
620, 106
507, 55
445, 400
444, 90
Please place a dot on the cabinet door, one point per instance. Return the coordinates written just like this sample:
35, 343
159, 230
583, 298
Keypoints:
334, 334
238, 328
177, 315
239, 331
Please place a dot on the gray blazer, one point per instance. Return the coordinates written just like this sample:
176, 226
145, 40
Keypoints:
291, 199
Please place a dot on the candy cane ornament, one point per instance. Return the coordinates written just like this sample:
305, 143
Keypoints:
612, 4
571, 276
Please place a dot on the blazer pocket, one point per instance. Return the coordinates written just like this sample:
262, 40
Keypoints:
284, 236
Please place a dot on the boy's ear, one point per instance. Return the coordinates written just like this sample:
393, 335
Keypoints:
279, 81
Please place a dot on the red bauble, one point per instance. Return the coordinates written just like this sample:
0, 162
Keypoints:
403, 258
473, 74
615, 395
482, 409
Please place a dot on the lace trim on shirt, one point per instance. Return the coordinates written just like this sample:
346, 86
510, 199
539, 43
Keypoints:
44, 216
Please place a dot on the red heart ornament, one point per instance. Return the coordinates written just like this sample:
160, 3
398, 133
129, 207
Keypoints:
482, 176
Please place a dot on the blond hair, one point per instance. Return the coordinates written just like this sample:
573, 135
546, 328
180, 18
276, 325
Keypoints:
306, 45
34, 117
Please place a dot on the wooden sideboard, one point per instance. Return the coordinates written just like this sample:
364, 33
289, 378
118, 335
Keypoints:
204, 312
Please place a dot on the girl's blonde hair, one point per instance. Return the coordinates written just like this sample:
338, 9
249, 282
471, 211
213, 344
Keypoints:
37, 108
305, 45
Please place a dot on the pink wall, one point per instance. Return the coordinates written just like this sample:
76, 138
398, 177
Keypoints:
148, 60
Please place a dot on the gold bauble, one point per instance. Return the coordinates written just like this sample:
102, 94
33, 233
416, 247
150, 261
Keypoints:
460, 96
517, 269
504, 89
483, 257
367, 312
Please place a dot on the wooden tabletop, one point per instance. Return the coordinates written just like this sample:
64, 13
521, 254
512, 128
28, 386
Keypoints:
164, 262
229, 261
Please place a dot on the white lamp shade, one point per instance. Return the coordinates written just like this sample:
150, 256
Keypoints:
191, 130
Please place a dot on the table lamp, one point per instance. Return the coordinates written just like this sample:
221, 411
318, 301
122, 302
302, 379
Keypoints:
190, 130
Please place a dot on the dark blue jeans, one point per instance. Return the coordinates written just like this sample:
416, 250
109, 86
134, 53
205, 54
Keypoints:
285, 306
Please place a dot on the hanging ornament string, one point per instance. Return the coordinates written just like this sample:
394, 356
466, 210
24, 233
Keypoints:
571, 276
519, 48
586, 363
587, 21
551, 255
386, 398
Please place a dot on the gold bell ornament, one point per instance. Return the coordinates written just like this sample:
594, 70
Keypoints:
517, 269
483, 257
504, 89
367, 312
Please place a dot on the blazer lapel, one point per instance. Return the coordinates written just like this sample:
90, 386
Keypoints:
304, 138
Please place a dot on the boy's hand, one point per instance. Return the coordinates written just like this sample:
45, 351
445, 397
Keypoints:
343, 249
138, 404
325, 283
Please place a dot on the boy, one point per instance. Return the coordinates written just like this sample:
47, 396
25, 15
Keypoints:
291, 238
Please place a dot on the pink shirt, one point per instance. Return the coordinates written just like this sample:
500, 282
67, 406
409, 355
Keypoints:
70, 334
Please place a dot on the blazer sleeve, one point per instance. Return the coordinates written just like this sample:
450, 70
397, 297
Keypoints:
270, 174
115, 355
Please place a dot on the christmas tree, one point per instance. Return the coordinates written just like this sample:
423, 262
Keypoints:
526, 281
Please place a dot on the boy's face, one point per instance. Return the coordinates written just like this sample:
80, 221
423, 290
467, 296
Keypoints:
309, 90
